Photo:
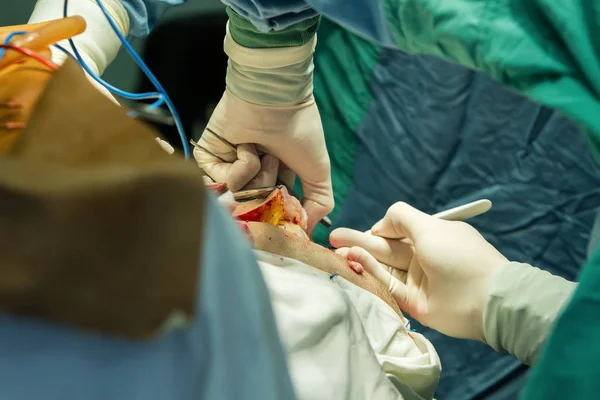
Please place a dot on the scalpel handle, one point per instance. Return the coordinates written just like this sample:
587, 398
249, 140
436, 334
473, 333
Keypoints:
462, 213
466, 211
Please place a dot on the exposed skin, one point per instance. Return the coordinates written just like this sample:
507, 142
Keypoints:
274, 240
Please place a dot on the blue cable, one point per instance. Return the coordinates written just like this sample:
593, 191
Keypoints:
113, 89
163, 96
140, 96
156, 104
8, 39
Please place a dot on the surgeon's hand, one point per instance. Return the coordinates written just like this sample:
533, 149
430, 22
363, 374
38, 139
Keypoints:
439, 273
98, 45
291, 136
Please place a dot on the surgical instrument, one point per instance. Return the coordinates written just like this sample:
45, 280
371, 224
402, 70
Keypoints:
252, 193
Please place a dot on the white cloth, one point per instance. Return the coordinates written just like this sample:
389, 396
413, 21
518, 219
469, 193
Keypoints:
343, 342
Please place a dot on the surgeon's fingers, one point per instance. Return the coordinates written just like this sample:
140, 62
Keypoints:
267, 176
286, 175
237, 174
371, 265
316, 210
399, 274
244, 168
317, 194
356, 267
216, 146
402, 221
393, 252
342, 251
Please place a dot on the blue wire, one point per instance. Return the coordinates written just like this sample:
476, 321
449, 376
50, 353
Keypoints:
117, 91
113, 89
156, 104
134, 96
8, 39
164, 97
161, 96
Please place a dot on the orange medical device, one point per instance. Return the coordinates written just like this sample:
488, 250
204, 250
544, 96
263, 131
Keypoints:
22, 78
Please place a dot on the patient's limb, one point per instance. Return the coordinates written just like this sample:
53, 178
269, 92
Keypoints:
343, 342
277, 225
342, 339
274, 240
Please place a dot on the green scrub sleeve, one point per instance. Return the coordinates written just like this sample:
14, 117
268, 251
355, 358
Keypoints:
523, 304
273, 68
548, 50
568, 365
247, 35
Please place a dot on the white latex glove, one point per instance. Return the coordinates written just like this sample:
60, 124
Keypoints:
441, 275
98, 45
268, 105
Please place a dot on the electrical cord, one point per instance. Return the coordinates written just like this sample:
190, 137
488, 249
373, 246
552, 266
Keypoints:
8, 39
127, 95
51, 65
163, 97
160, 96
31, 54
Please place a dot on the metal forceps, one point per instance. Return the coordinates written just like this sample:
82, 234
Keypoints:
155, 115
251, 194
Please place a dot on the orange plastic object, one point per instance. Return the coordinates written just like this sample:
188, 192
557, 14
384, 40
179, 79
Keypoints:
23, 79
41, 36
19, 90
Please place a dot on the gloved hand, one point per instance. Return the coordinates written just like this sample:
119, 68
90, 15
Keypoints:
268, 106
98, 45
440, 273
293, 135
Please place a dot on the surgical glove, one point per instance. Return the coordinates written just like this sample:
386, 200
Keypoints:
268, 106
440, 273
98, 45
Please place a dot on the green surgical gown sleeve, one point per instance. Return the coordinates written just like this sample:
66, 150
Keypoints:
548, 50
568, 367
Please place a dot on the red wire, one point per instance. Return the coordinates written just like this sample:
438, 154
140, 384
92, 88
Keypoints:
31, 54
